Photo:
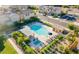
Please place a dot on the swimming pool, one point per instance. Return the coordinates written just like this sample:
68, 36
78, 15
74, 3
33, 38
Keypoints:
36, 43
39, 29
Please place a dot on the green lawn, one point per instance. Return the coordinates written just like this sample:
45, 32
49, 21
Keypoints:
8, 49
29, 50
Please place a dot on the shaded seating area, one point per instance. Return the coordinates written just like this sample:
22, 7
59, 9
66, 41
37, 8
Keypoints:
57, 30
65, 32
50, 33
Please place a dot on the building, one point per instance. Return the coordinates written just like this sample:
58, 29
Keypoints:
10, 14
50, 9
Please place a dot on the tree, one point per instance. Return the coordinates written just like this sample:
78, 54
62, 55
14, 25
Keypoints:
71, 26
19, 40
27, 40
33, 8
67, 50
2, 40
61, 47
76, 31
63, 13
45, 13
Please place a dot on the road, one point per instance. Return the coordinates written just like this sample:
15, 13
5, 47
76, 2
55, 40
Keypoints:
51, 20
16, 47
56, 22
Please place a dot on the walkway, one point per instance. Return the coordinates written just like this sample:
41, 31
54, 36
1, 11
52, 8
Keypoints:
16, 47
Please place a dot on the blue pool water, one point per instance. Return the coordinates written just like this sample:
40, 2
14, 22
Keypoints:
39, 29
36, 43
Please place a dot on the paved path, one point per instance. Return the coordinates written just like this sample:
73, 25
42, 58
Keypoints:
76, 23
16, 47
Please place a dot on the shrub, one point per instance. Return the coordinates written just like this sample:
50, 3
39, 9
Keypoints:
2, 41
33, 8
60, 37
19, 40
20, 37
71, 26
27, 40
28, 49
48, 24
27, 21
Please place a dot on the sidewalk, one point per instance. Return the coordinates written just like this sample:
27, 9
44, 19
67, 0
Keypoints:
16, 47
76, 23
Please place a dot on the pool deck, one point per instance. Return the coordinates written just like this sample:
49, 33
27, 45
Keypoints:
42, 38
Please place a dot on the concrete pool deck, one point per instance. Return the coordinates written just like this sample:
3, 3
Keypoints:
28, 31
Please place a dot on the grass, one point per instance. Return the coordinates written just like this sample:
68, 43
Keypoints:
29, 50
8, 49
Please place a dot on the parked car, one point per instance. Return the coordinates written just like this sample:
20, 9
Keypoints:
69, 17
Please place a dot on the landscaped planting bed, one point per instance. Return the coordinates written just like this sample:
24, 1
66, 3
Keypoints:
20, 39
60, 37
30, 20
